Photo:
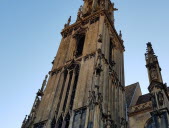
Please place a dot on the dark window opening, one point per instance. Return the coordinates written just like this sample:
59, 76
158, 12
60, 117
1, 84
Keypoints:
80, 45
79, 118
39, 125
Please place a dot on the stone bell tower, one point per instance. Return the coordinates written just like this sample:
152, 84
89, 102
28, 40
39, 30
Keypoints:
86, 84
157, 89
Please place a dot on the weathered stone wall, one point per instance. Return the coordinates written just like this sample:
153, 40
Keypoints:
139, 120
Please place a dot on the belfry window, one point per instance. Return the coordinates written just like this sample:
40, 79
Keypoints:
80, 45
79, 118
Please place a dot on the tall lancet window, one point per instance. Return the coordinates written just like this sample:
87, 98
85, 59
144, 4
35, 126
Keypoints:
80, 45
110, 50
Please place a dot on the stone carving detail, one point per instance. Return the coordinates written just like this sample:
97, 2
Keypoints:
95, 98
102, 4
109, 121
98, 69
100, 38
154, 74
153, 99
123, 122
160, 98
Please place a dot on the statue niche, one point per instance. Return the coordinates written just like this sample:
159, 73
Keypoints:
154, 74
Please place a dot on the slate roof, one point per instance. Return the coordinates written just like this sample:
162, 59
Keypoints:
143, 99
129, 93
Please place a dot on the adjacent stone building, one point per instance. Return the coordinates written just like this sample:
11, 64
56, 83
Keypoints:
86, 86
149, 110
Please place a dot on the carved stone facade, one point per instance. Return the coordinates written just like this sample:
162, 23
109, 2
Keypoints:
86, 87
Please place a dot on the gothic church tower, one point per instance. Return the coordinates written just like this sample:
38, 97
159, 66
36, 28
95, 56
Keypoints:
86, 87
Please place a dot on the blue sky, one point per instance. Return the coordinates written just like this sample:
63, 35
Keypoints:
30, 36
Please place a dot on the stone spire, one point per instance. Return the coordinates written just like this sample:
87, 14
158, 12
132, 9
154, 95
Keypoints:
152, 64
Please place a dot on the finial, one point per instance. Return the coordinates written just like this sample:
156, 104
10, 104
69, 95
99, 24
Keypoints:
120, 34
68, 22
25, 119
149, 48
149, 44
